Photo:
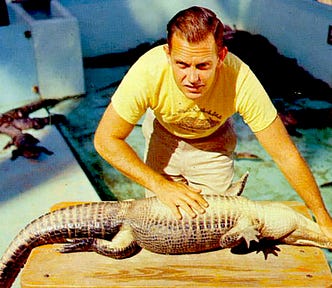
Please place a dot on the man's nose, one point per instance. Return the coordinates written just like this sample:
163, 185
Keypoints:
193, 75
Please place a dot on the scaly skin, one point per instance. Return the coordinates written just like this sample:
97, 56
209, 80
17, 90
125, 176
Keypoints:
97, 220
120, 229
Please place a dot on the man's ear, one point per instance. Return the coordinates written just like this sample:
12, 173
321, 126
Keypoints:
222, 53
167, 51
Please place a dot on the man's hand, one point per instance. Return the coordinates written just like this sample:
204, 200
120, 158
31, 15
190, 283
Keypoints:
179, 195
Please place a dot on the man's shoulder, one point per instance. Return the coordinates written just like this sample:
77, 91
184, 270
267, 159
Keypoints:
151, 65
232, 61
155, 55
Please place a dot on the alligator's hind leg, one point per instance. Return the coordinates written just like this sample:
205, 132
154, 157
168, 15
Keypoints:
123, 245
307, 237
243, 230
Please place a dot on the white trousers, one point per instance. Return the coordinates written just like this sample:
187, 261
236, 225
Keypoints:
204, 163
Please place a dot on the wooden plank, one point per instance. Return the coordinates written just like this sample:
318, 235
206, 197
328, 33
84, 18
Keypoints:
293, 267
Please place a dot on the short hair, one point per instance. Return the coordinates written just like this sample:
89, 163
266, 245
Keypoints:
195, 24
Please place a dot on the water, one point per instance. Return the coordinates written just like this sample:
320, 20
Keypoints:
265, 181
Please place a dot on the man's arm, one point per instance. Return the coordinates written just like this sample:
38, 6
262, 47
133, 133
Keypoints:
276, 141
110, 143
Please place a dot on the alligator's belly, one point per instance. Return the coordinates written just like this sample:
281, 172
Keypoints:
178, 239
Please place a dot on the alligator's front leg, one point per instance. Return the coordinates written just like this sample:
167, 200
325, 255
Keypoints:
123, 245
243, 230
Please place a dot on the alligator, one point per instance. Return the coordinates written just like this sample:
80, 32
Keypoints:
120, 229
13, 122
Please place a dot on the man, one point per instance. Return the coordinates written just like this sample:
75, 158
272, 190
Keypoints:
194, 85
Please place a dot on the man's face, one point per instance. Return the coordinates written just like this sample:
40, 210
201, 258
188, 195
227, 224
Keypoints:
194, 65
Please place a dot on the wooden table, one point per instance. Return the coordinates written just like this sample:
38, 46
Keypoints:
294, 266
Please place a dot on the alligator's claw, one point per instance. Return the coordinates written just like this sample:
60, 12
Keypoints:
273, 249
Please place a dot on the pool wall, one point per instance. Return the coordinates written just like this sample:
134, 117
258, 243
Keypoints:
298, 28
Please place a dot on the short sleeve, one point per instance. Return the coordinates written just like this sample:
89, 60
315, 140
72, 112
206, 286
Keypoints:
253, 103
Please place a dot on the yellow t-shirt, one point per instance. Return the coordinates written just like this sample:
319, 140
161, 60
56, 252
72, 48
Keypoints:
150, 84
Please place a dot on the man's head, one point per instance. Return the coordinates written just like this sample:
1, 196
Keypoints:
196, 24
195, 50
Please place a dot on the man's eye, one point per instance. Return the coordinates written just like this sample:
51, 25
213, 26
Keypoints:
182, 65
203, 66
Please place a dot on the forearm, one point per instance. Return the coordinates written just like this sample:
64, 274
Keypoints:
110, 143
283, 151
300, 177
123, 158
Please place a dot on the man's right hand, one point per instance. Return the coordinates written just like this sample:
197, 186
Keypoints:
111, 145
178, 195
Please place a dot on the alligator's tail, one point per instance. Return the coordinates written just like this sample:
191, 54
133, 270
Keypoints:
98, 220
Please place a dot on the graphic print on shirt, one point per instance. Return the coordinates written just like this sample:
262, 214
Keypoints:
197, 119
